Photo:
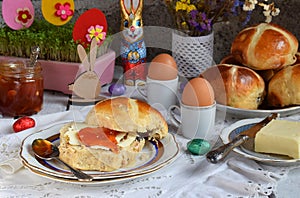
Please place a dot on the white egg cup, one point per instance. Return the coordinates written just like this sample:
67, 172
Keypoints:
161, 93
195, 122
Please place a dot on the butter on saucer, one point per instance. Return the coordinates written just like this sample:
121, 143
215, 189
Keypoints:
279, 137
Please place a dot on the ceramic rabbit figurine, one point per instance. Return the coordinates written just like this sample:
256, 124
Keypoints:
87, 84
133, 48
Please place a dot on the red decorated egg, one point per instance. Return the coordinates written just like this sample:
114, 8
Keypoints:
23, 123
18, 14
58, 12
92, 23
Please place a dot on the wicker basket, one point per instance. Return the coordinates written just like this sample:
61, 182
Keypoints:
192, 54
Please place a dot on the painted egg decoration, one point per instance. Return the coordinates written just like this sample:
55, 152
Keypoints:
92, 23
198, 146
18, 14
58, 12
23, 123
117, 89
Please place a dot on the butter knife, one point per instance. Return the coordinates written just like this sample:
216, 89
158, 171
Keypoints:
220, 153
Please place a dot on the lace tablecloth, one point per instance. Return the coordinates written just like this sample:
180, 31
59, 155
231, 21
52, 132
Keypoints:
187, 176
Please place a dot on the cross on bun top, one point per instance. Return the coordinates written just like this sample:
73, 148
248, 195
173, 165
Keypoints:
236, 86
128, 115
284, 87
265, 46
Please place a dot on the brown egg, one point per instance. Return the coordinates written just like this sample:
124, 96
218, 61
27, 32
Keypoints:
198, 92
163, 67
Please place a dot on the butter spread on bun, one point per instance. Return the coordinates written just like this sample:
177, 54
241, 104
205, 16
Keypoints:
112, 135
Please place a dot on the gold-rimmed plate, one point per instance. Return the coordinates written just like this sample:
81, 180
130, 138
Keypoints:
158, 155
96, 182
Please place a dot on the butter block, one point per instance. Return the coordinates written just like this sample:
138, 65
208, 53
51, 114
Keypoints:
279, 137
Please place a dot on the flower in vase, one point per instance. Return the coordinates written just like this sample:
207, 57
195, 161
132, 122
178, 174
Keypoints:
197, 17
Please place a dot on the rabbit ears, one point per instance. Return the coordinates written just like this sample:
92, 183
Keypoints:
131, 6
88, 64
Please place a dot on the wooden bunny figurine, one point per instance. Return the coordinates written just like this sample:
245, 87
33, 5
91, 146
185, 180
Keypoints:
87, 84
133, 48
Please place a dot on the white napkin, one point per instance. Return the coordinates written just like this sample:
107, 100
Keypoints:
10, 142
189, 176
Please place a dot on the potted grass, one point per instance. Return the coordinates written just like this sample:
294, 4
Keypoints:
58, 56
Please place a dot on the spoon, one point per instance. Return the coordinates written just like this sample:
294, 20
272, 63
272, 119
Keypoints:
44, 149
35, 51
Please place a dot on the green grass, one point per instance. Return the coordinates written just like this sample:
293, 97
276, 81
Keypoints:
56, 42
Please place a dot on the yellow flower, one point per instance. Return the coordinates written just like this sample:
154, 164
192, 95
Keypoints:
180, 6
184, 25
186, 1
191, 8
190, 15
185, 5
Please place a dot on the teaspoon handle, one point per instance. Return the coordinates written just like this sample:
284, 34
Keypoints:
79, 174
220, 153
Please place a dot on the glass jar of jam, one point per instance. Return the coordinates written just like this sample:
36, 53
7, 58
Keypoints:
21, 88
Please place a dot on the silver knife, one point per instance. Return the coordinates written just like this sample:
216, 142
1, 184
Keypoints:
220, 153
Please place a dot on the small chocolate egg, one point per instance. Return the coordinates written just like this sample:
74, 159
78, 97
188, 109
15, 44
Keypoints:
163, 67
198, 92
23, 123
117, 89
198, 146
181, 86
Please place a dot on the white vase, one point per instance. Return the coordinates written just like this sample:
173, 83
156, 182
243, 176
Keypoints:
192, 54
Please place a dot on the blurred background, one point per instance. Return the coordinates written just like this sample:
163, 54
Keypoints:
155, 13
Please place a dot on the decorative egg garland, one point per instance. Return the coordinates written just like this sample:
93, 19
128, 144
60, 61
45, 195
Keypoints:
20, 15
58, 12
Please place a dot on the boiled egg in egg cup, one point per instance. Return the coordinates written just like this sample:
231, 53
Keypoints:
161, 83
197, 110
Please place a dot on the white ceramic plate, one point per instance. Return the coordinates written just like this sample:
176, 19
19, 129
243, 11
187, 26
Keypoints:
232, 131
247, 113
158, 156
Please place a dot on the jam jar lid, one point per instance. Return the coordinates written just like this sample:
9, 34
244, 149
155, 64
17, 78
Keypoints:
18, 67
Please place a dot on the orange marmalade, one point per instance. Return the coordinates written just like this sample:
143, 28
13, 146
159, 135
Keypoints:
21, 88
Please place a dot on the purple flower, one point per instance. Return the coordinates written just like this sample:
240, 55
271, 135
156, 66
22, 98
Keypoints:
194, 14
193, 23
203, 15
200, 22
236, 5
198, 16
207, 23
248, 17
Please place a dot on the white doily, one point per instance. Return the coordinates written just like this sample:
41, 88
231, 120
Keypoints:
188, 176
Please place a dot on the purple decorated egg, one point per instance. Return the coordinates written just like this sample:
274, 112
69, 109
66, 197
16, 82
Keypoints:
117, 89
